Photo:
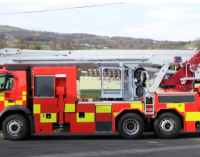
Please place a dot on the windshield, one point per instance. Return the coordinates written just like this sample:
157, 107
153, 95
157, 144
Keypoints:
6, 82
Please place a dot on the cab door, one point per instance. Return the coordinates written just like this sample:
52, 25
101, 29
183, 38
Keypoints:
7, 90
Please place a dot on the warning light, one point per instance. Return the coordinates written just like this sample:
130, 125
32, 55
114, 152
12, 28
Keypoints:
177, 59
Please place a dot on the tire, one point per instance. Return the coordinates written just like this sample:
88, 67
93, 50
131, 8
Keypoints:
15, 127
131, 126
167, 126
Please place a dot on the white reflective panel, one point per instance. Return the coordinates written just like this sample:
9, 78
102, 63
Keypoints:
60, 75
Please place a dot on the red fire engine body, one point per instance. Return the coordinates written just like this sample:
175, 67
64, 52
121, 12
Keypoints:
51, 102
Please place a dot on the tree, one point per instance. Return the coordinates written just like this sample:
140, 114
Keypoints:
69, 44
2, 35
127, 47
66, 43
120, 46
198, 45
27, 44
3, 44
62, 43
52, 43
23, 43
36, 45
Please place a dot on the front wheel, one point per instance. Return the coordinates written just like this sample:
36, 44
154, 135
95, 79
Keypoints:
131, 126
15, 127
167, 125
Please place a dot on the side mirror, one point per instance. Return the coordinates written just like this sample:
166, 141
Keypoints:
10, 84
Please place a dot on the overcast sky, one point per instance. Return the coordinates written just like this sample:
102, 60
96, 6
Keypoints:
159, 21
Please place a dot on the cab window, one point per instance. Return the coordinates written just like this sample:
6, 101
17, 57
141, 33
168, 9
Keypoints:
6, 82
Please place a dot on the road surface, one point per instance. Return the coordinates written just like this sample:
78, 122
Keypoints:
112, 145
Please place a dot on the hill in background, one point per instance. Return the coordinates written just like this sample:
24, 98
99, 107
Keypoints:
15, 37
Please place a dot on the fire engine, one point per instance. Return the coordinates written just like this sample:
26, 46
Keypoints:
38, 92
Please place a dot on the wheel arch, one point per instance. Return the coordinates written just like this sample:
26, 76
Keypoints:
129, 111
21, 110
173, 111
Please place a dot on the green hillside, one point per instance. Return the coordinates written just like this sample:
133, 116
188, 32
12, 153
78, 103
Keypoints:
31, 39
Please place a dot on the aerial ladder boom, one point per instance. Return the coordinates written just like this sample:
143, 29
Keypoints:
142, 58
155, 62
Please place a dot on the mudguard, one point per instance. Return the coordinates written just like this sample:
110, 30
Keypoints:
26, 110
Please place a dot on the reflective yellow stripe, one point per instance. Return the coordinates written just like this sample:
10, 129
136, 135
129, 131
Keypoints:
2, 94
36, 108
115, 113
24, 93
6, 103
69, 108
2, 98
24, 98
19, 102
137, 105
89, 117
43, 118
179, 106
103, 109
192, 116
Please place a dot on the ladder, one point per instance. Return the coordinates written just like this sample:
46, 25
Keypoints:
149, 108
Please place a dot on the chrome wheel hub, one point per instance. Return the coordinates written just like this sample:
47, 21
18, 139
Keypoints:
15, 127
167, 125
131, 126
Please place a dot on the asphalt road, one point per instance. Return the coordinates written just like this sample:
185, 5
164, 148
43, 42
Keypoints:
186, 144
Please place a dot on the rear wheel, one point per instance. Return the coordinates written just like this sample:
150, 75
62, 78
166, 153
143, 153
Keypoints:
167, 125
131, 126
15, 127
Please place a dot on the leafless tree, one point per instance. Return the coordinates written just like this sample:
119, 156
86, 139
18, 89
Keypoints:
21, 42
66, 43
36, 45
3, 44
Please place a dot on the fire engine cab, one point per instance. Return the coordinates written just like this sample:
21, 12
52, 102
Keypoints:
38, 92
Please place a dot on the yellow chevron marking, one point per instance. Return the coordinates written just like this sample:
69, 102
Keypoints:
103, 109
192, 116
43, 118
89, 117
36, 108
137, 105
19, 102
24, 93
179, 106
69, 108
